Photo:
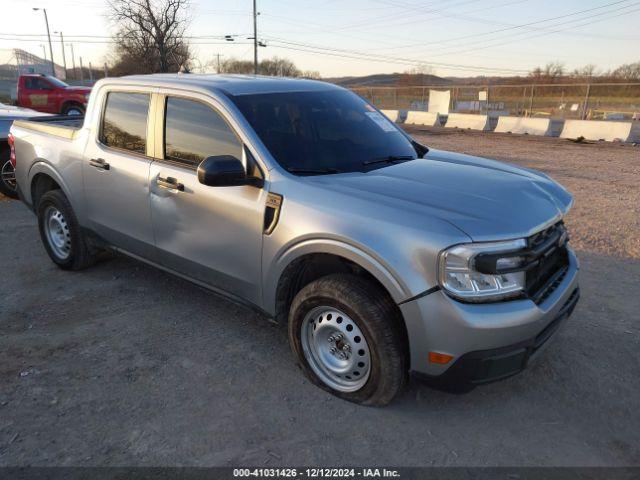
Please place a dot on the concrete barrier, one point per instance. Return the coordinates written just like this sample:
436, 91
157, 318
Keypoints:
601, 130
486, 123
531, 126
424, 118
393, 115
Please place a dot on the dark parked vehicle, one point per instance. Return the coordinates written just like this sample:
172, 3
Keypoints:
9, 113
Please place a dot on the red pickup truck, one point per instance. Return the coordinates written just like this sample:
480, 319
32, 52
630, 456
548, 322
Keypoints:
50, 95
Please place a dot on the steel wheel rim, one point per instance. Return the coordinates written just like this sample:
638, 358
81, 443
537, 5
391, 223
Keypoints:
336, 349
9, 175
57, 232
74, 111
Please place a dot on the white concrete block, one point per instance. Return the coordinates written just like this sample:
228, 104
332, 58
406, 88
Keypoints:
531, 126
424, 118
392, 115
470, 121
602, 130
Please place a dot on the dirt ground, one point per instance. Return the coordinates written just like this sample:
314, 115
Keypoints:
125, 365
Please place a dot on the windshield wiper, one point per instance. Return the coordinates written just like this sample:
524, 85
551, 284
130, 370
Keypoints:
313, 171
389, 159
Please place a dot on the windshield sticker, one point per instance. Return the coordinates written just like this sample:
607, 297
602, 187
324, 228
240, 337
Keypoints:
383, 122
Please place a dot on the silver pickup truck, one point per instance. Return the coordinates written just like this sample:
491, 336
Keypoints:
303, 201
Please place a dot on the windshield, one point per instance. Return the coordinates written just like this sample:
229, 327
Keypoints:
56, 82
335, 131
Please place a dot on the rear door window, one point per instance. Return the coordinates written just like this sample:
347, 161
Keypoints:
124, 123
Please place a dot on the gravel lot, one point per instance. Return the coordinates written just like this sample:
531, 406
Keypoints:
125, 365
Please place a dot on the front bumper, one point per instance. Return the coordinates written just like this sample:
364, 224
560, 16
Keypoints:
486, 366
487, 341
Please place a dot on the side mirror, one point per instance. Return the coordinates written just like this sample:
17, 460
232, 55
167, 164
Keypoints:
224, 171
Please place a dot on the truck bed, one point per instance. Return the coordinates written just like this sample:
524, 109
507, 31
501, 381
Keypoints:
64, 126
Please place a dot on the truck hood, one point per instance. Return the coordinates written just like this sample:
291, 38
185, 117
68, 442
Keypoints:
486, 199
78, 89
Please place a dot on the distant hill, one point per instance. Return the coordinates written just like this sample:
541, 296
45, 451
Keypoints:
388, 80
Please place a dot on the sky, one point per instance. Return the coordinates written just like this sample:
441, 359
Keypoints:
361, 37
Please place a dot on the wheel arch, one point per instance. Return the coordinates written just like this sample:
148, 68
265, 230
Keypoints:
335, 254
43, 178
71, 103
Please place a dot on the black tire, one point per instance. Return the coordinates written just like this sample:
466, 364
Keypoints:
73, 107
375, 315
6, 168
81, 253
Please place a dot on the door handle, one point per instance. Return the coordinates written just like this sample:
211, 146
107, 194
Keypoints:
99, 163
170, 183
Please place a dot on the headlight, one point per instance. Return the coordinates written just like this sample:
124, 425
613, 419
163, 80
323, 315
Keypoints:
459, 276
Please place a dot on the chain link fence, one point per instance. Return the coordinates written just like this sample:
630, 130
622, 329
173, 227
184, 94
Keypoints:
609, 101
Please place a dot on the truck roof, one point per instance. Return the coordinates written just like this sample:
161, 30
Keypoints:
230, 84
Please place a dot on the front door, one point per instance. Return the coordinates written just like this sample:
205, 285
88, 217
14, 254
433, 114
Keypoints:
211, 234
116, 174
40, 95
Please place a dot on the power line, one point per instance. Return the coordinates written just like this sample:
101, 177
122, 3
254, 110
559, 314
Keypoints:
381, 58
524, 25
481, 47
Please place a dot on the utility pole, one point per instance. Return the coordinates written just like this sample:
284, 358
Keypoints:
81, 72
218, 67
64, 57
255, 38
73, 62
90, 73
46, 20
44, 51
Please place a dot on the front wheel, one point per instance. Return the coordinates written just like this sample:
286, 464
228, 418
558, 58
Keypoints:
346, 334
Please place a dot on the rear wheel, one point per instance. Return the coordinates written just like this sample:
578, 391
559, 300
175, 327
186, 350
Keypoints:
61, 235
347, 337
8, 185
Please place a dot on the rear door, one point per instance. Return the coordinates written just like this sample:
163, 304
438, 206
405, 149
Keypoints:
211, 234
116, 172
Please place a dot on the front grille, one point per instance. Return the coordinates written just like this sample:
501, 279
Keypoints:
552, 264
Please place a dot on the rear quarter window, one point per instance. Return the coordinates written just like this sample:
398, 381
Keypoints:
124, 122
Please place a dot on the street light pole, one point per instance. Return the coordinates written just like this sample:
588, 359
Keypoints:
46, 20
255, 38
73, 61
64, 57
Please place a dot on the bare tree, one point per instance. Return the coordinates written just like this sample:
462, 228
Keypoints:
587, 71
550, 71
278, 67
311, 74
421, 69
150, 35
554, 70
628, 71
233, 65
275, 66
